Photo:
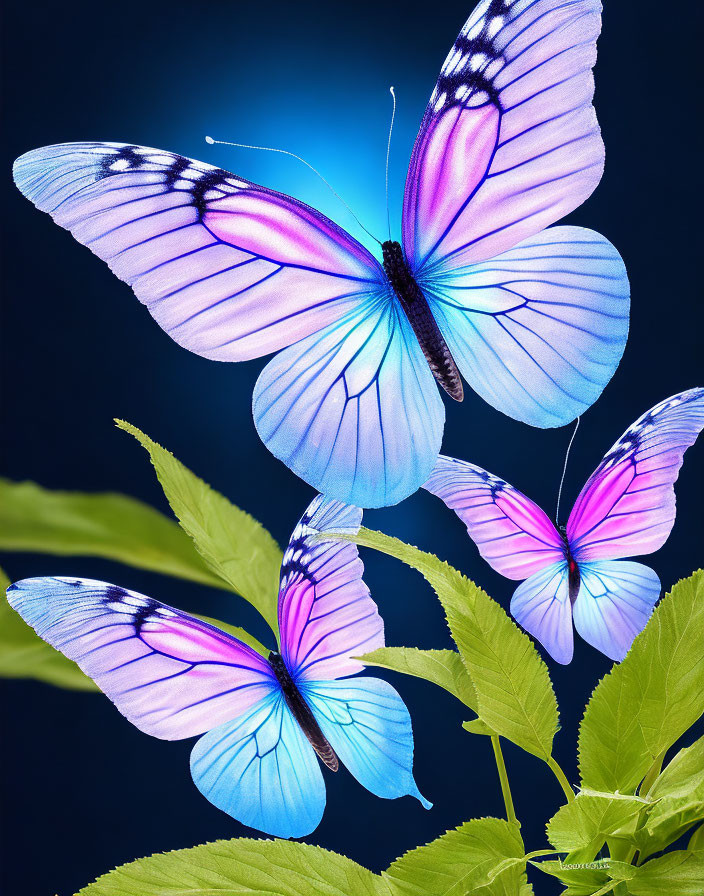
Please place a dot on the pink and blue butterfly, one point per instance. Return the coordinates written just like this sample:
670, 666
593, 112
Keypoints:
535, 320
578, 574
262, 720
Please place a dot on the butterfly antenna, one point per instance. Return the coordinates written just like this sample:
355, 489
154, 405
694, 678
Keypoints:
293, 155
564, 470
388, 153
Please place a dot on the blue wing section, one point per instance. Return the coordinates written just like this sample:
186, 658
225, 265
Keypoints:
261, 770
615, 600
368, 726
541, 605
538, 331
354, 410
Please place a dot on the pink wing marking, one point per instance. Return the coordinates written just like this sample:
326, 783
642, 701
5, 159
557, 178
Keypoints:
518, 85
326, 614
513, 534
230, 270
627, 507
170, 674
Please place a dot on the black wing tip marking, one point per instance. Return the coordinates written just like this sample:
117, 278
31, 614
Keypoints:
140, 608
133, 158
466, 83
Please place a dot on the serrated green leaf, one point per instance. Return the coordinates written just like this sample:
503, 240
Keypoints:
232, 543
484, 856
581, 827
679, 801
679, 873
580, 881
107, 525
238, 867
441, 667
514, 694
23, 654
648, 701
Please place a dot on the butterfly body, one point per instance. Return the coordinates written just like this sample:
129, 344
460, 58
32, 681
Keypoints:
420, 316
573, 577
578, 574
302, 712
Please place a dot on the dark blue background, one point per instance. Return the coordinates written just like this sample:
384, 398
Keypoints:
83, 791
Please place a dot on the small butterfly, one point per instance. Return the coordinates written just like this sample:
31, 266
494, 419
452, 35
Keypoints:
535, 320
576, 574
174, 676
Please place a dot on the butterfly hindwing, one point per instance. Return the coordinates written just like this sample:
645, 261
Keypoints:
354, 410
540, 330
262, 770
170, 674
616, 598
541, 605
369, 728
627, 507
514, 536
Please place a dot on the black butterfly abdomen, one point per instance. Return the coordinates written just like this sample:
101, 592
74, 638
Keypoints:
302, 713
574, 578
420, 317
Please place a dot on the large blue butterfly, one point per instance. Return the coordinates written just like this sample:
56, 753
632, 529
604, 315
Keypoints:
535, 320
263, 720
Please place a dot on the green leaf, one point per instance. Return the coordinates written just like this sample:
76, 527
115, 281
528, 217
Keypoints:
107, 525
581, 827
679, 873
232, 543
23, 654
234, 867
476, 726
483, 857
580, 879
696, 841
514, 694
648, 701
678, 796
441, 667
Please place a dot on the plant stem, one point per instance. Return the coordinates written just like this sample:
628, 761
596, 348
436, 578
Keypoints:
538, 853
606, 889
503, 778
561, 778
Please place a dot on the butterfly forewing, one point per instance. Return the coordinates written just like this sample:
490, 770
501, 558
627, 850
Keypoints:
627, 507
512, 533
170, 674
509, 142
229, 269
326, 614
